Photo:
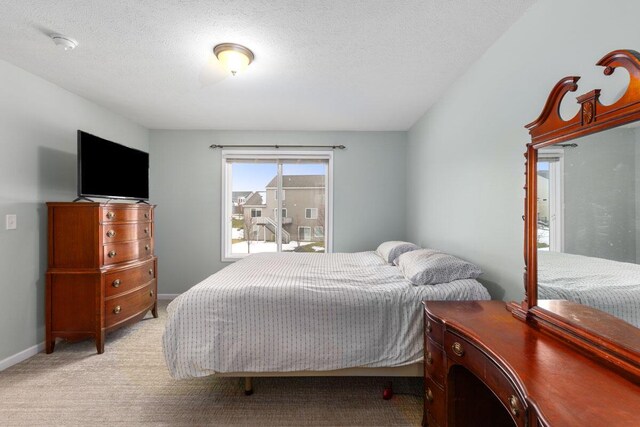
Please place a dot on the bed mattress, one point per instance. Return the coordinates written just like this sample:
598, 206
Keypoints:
285, 312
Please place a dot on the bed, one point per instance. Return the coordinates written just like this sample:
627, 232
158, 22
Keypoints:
303, 314
610, 286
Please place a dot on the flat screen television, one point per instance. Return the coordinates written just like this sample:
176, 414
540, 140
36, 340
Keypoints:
110, 170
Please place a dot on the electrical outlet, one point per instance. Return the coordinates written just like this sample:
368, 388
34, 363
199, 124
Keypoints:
12, 222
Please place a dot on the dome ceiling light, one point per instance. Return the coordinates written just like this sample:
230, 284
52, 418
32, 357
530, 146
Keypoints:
233, 57
64, 42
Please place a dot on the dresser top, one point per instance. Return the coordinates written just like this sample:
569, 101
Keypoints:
565, 386
114, 204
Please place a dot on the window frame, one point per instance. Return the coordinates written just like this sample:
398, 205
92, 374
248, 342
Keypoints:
277, 157
311, 210
283, 210
555, 158
257, 211
310, 233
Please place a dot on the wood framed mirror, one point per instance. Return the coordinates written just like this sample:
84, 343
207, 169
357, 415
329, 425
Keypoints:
582, 221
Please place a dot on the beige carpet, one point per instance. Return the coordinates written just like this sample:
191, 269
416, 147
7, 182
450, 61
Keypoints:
129, 385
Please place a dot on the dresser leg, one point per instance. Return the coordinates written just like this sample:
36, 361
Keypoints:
100, 342
50, 345
154, 310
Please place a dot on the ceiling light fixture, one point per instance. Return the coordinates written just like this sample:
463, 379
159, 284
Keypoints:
66, 43
233, 57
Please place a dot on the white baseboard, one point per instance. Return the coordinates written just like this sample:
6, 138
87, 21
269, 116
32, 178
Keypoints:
19, 357
32, 351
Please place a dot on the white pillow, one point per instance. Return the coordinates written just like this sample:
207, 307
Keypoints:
430, 267
391, 250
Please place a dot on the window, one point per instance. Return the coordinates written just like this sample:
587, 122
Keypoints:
275, 212
304, 233
264, 178
550, 200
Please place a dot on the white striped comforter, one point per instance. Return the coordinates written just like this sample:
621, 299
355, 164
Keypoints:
610, 286
298, 312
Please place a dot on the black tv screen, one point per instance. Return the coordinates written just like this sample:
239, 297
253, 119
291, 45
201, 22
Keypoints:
110, 170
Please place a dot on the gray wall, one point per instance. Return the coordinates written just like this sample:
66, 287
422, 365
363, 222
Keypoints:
369, 194
600, 196
464, 156
38, 123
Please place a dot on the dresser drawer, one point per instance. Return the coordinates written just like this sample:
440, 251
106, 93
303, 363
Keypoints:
460, 351
434, 362
112, 233
115, 253
126, 306
433, 329
115, 213
124, 280
434, 402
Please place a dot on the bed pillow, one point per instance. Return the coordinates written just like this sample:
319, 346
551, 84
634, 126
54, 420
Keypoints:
391, 250
430, 267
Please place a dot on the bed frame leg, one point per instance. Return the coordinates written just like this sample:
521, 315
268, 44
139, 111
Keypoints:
388, 391
248, 386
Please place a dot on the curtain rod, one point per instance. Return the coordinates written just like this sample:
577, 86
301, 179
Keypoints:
341, 147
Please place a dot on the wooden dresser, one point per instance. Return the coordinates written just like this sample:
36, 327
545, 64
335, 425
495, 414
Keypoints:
101, 270
484, 367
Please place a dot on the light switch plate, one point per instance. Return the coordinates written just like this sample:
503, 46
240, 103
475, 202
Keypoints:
12, 222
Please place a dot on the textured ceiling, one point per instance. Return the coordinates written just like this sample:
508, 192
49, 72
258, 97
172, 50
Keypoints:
320, 64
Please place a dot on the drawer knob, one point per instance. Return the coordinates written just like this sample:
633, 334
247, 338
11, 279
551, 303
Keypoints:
116, 283
428, 394
112, 254
146, 214
146, 231
150, 293
151, 271
429, 358
457, 349
513, 405
146, 247
116, 309
111, 233
428, 327
111, 214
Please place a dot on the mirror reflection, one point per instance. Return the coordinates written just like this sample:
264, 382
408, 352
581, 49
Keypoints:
588, 214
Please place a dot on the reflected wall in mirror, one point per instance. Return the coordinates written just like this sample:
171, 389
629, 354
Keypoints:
588, 239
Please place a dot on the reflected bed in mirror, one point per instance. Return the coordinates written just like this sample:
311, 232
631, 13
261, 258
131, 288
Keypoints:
587, 235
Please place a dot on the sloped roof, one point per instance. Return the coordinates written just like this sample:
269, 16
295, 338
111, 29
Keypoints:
254, 200
235, 195
298, 181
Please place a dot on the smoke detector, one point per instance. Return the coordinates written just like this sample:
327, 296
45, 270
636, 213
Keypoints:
64, 42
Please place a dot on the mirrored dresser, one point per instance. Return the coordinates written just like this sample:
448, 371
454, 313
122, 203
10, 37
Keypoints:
569, 354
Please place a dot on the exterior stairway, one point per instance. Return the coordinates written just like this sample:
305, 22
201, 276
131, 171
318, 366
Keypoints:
272, 226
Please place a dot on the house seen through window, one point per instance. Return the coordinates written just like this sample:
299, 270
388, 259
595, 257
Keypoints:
258, 185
